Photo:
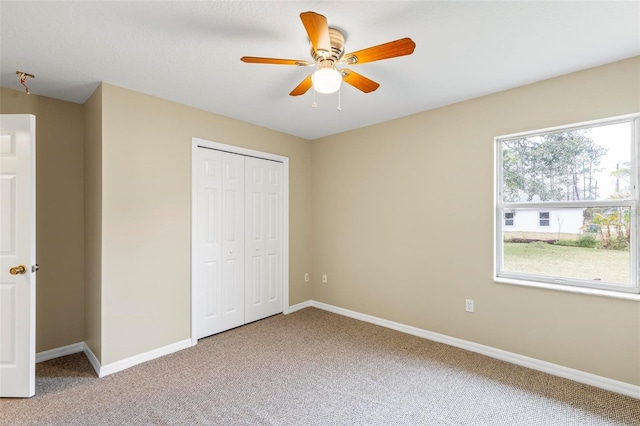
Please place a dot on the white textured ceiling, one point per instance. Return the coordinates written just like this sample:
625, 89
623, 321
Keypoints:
189, 52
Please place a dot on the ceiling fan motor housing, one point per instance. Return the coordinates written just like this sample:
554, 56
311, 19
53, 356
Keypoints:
336, 38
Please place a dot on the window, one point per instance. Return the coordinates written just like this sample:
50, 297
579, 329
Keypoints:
575, 192
509, 218
543, 219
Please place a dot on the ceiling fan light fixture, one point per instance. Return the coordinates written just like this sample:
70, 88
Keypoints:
326, 79
327, 50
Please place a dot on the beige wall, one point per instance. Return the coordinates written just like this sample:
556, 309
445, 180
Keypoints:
59, 217
403, 226
93, 223
396, 238
146, 208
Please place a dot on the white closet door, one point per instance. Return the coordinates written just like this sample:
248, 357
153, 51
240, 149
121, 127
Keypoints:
232, 241
219, 260
263, 277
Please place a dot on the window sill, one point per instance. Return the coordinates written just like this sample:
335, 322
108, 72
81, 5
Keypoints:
570, 289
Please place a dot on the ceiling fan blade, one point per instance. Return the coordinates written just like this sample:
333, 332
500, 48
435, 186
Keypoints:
392, 49
276, 61
302, 88
317, 30
358, 81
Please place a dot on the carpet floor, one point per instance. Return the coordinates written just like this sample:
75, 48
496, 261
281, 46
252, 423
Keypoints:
314, 368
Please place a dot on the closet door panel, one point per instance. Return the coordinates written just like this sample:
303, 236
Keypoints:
273, 220
233, 241
219, 271
264, 246
207, 271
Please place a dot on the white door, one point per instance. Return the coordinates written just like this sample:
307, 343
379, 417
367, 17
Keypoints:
218, 300
232, 298
238, 241
263, 278
17, 256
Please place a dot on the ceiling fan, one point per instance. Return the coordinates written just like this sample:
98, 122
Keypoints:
327, 51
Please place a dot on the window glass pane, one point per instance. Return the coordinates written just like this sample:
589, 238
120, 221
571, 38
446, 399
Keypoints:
585, 164
584, 243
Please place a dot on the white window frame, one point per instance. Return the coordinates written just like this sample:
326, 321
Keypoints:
564, 283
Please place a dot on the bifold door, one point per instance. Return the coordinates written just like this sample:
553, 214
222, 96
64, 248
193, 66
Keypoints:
237, 275
263, 277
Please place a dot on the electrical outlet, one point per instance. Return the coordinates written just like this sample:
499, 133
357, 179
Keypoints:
306, 277
324, 278
468, 305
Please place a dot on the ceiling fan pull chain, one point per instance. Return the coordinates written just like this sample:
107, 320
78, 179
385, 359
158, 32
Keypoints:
314, 104
339, 107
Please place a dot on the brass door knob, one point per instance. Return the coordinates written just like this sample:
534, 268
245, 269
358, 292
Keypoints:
18, 270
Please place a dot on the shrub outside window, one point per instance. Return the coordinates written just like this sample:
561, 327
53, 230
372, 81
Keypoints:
574, 190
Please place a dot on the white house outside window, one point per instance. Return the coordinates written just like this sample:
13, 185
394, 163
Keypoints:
574, 190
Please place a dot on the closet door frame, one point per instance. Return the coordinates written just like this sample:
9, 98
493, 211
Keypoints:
195, 144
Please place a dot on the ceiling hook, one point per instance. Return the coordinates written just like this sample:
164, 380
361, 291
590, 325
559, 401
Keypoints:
23, 77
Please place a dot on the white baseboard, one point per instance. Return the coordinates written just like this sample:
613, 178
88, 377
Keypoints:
299, 306
513, 358
117, 366
105, 370
93, 359
533, 363
58, 352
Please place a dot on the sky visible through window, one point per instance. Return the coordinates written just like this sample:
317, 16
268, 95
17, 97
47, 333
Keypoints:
616, 138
